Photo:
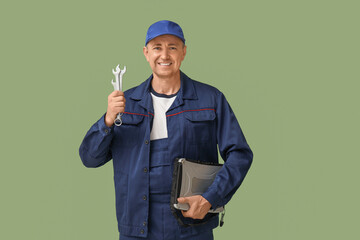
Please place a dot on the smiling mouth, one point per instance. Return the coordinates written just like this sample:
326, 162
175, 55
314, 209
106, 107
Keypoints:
165, 64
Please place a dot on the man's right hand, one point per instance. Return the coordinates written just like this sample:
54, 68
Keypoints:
116, 104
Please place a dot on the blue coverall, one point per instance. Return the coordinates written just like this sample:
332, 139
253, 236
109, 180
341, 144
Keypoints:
199, 121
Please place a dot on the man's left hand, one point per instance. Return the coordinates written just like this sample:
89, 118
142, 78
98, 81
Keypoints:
199, 206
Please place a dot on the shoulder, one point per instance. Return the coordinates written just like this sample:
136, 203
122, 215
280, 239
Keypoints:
204, 90
130, 91
201, 95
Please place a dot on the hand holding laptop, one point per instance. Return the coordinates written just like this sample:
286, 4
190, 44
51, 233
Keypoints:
199, 206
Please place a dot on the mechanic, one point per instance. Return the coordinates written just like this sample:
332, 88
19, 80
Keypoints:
166, 117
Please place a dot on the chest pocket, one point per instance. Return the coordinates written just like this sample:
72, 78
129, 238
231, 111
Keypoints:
131, 131
200, 126
132, 119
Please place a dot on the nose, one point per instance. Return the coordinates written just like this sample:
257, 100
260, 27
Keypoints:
165, 54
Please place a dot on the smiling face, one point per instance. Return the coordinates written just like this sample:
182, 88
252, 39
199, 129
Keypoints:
165, 54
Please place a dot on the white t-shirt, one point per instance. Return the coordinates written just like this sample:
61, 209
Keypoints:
161, 104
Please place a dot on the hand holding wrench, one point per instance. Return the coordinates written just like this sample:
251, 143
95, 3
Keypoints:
118, 73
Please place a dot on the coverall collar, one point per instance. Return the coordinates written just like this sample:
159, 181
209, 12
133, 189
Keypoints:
142, 92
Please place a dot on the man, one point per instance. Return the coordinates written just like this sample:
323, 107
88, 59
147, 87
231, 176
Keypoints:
166, 117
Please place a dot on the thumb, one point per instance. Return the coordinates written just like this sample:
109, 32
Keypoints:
183, 200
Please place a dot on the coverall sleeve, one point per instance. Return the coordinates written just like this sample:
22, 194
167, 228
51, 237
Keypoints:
95, 149
235, 152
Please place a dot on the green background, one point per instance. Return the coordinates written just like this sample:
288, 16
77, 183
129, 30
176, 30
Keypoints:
290, 70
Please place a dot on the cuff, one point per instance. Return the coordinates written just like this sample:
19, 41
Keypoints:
105, 130
213, 198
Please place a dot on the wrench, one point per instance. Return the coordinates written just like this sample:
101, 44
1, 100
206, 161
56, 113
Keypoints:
118, 73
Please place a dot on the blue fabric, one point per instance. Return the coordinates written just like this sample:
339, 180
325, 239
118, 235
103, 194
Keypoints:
160, 167
163, 225
199, 122
164, 27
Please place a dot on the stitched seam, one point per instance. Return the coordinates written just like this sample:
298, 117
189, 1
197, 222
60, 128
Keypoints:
138, 114
195, 110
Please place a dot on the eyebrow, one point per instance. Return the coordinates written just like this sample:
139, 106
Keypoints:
171, 44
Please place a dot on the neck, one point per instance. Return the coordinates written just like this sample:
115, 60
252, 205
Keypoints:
166, 85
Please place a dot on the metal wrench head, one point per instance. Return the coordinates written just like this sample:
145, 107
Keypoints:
118, 73
122, 71
118, 70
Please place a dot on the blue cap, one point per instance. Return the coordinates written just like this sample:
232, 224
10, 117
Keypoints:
164, 27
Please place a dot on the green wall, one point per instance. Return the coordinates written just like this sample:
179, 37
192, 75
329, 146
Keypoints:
290, 70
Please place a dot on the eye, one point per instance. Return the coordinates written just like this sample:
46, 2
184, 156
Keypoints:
173, 48
156, 48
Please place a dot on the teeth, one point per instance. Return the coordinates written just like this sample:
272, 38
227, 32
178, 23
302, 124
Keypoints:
164, 64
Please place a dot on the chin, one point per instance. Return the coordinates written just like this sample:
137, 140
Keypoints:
165, 73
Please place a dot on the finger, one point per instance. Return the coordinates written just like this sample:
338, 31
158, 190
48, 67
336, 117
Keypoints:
118, 98
185, 213
116, 93
190, 214
182, 200
118, 104
118, 109
119, 93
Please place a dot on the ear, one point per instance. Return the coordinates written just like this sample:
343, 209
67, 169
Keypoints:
146, 53
184, 52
